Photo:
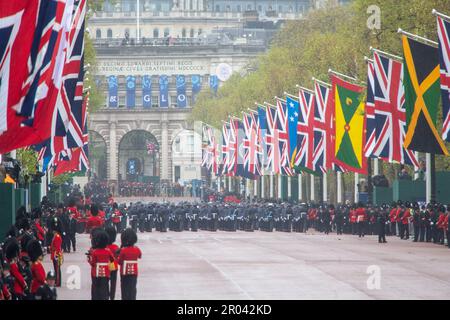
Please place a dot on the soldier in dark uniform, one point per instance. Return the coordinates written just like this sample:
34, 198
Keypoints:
326, 220
339, 220
382, 216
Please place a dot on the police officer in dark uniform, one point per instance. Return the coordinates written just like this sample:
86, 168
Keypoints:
382, 218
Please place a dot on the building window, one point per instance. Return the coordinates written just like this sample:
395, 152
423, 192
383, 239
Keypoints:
217, 8
192, 33
98, 33
177, 145
200, 31
156, 33
228, 8
291, 9
190, 144
183, 33
260, 8
166, 32
109, 33
280, 9
249, 7
238, 8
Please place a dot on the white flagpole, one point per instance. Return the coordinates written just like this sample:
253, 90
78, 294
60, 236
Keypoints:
325, 188
280, 182
416, 169
428, 177
218, 184
289, 188
339, 187
376, 167
313, 189
255, 187
271, 186
300, 191
263, 191
356, 187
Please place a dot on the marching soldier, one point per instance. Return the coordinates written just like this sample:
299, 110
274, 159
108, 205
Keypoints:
35, 253
417, 222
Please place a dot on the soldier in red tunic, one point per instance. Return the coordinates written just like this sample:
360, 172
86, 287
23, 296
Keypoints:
100, 258
94, 221
128, 261
35, 253
114, 248
56, 249
116, 216
361, 218
12, 255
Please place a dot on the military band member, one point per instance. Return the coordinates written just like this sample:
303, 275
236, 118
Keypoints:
128, 261
20, 287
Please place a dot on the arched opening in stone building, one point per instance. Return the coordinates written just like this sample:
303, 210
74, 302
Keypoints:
97, 156
139, 153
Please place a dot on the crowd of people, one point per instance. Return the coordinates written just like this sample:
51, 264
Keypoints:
50, 232
164, 189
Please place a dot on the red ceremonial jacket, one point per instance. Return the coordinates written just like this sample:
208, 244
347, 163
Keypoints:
117, 215
405, 217
93, 222
55, 247
128, 260
99, 259
19, 281
38, 273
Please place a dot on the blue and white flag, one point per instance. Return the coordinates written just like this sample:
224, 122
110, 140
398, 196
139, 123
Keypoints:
112, 92
164, 91
181, 91
214, 83
196, 86
147, 91
131, 91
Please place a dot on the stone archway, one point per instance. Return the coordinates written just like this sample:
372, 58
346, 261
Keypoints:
138, 157
98, 155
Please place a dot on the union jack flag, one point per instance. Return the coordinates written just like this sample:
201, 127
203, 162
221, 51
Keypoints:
273, 148
370, 111
209, 160
228, 149
305, 131
71, 160
252, 146
30, 42
390, 111
444, 53
321, 93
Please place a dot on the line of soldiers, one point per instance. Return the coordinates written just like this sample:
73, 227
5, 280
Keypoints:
427, 222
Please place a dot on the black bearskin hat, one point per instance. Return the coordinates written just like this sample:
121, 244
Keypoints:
128, 238
25, 240
34, 250
12, 250
36, 213
100, 239
112, 234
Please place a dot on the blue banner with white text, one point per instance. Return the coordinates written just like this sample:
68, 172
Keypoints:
131, 91
181, 91
112, 92
147, 91
163, 91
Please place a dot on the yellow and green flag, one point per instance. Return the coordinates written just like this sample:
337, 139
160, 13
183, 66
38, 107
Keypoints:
421, 80
349, 126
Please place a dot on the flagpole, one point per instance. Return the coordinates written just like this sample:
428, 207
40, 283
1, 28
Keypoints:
289, 190
304, 89
321, 82
291, 95
343, 75
313, 188
280, 182
278, 98
339, 187
416, 37
356, 187
376, 167
388, 55
428, 178
272, 195
438, 14
416, 168
263, 192
325, 187
300, 191
138, 31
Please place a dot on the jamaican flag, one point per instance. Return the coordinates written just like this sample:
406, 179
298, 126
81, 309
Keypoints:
422, 93
349, 126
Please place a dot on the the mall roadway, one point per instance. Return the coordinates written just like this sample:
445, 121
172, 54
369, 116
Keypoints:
260, 265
